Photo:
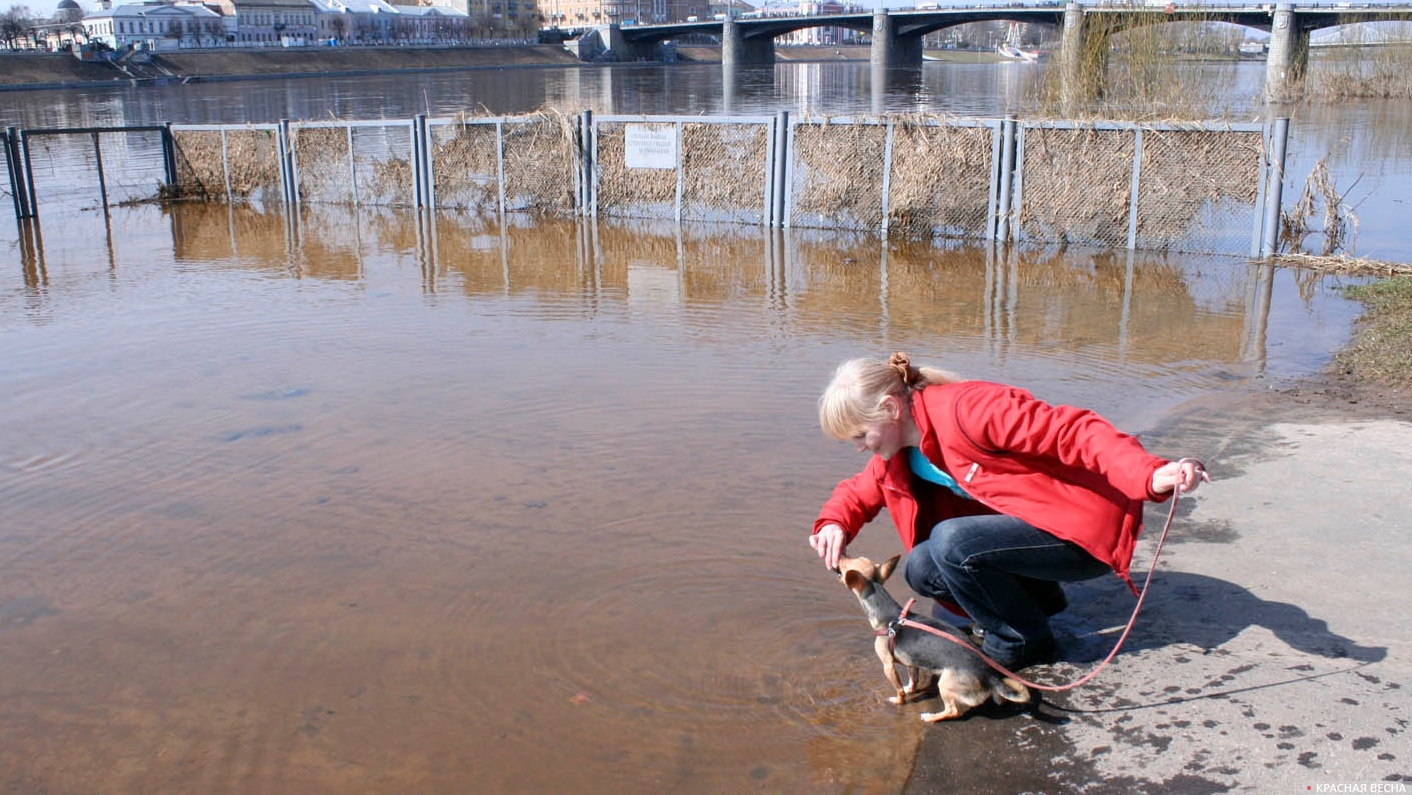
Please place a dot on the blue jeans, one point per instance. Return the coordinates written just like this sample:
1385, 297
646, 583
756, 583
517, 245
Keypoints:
1005, 573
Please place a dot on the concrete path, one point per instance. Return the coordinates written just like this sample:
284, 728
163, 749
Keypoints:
1274, 651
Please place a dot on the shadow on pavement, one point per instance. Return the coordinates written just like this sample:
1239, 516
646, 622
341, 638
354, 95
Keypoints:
1186, 608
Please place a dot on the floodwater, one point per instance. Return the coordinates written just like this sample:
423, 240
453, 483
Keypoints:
379, 502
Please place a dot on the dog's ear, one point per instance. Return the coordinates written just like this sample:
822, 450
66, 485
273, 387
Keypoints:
855, 581
885, 570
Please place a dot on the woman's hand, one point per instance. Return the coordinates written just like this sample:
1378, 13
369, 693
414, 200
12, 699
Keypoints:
1184, 475
829, 542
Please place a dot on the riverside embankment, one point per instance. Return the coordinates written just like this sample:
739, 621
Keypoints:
19, 71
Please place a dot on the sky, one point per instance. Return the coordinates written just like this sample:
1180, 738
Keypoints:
44, 9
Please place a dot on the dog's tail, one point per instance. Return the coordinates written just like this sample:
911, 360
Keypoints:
1008, 689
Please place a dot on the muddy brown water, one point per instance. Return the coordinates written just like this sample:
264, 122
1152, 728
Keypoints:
365, 502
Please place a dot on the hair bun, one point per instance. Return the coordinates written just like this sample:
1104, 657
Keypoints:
899, 362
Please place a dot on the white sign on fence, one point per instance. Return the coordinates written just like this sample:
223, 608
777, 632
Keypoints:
650, 145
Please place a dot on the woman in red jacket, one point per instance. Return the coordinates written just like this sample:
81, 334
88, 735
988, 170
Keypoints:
997, 496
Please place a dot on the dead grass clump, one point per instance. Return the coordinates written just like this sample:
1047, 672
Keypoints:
1077, 185
838, 175
940, 181
1319, 200
725, 173
1197, 186
465, 165
1366, 68
1381, 350
201, 171
253, 157
322, 155
632, 192
541, 163
1344, 265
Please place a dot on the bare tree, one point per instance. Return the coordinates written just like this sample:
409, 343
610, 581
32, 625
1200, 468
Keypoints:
16, 24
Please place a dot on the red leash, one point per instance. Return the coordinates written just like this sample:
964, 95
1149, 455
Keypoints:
1176, 495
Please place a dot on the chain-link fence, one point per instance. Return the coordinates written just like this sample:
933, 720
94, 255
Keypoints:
355, 162
694, 168
232, 164
521, 164
1188, 187
90, 166
1191, 188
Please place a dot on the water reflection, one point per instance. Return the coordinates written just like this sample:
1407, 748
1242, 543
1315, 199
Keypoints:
1184, 322
390, 502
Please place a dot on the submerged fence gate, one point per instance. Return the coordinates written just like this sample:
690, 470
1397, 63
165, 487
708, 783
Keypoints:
1204, 187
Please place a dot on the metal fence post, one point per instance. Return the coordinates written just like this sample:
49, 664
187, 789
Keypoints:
418, 184
680, 157
590, 165
14, 169
500, 165
429, 167
1279, 140
1133, 191
169, 161
1007, 167
28, 171
285, 145
98, 159
782, 155
886, 175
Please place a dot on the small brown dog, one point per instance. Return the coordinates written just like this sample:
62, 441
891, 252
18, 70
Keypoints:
962, 678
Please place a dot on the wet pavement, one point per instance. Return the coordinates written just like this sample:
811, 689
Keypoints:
1272, 652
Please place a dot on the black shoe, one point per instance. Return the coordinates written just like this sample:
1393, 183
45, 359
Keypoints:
1037, 653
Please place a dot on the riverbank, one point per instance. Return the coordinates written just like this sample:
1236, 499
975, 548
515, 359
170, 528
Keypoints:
23, 70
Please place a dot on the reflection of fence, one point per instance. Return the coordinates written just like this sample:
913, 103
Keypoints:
1192, 187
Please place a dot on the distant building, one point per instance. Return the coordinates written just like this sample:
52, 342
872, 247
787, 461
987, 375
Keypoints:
155, 26
354, 21
432, 25
271, 23
583, 13
505, 19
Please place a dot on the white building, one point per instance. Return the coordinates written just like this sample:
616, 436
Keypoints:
355, 21
156, 26
431, 24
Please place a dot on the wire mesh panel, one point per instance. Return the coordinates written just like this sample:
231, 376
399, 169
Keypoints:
628, 190
940, 179
465, 163
836, 174
201, 164
382, 164
725, 172
86, 168
1076, 185
325, 168
234, 164
1197, 189
716, 169
541, 161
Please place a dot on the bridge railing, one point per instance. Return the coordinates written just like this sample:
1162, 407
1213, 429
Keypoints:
1188, 187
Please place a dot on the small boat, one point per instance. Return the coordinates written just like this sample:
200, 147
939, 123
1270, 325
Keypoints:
1011, 51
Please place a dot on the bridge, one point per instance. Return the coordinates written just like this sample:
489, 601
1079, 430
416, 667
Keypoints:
897, 33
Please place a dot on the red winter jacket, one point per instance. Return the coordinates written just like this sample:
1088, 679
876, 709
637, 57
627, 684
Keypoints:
1062, 469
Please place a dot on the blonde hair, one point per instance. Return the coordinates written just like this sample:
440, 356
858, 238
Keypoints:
855, 395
